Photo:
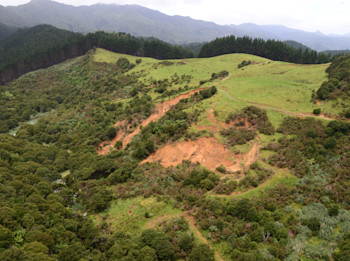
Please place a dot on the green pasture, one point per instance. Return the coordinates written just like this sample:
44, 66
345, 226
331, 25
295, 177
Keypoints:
275, 85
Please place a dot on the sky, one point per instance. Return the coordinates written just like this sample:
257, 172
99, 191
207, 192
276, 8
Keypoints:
326, 16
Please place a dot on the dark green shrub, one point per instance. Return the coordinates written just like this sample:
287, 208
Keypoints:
317, 111
221, 169
330, 143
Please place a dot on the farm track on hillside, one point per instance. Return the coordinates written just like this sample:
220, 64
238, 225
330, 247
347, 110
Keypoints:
192, 223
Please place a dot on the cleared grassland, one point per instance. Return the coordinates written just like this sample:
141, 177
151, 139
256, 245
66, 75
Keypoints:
129, 214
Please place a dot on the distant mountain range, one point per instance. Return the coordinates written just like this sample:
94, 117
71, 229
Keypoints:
141, 21
317, 41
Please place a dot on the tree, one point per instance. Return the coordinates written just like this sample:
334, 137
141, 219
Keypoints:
147, 254
185, 242
111, 132
344, 249
98, 202
201, 252
118, 145
333, 210
313, 224
73, 252
6, 237
165, 250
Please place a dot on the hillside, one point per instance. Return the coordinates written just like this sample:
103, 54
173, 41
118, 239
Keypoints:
141, 21
199, 159
41, 46
296, 45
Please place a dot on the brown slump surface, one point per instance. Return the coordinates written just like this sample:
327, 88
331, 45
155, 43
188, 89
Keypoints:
209, 152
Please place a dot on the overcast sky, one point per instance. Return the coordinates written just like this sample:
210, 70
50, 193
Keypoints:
327, 16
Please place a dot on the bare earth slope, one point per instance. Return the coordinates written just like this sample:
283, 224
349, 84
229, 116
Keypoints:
208, 151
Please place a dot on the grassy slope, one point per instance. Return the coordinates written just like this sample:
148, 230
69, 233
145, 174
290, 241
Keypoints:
277, 85
128, 215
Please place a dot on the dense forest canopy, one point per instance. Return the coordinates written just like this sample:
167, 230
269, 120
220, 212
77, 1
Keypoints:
44, 45
271, 49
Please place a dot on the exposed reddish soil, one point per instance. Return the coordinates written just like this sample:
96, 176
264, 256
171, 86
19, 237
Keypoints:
219, 125
107, 146
208, 151
131, 209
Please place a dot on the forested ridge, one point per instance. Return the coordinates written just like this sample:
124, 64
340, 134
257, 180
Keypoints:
271, 49
44, 45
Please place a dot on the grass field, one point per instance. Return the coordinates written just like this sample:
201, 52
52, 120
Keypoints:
129, 214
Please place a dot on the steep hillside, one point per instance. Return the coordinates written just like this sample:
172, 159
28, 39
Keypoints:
191, 159
38, 47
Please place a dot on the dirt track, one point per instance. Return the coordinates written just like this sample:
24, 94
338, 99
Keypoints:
193, 227
208, 151
162, 108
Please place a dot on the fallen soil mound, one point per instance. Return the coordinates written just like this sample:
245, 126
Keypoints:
209, 152
220, 125
159, 111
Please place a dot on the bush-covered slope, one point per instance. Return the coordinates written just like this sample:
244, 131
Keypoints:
338, 84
